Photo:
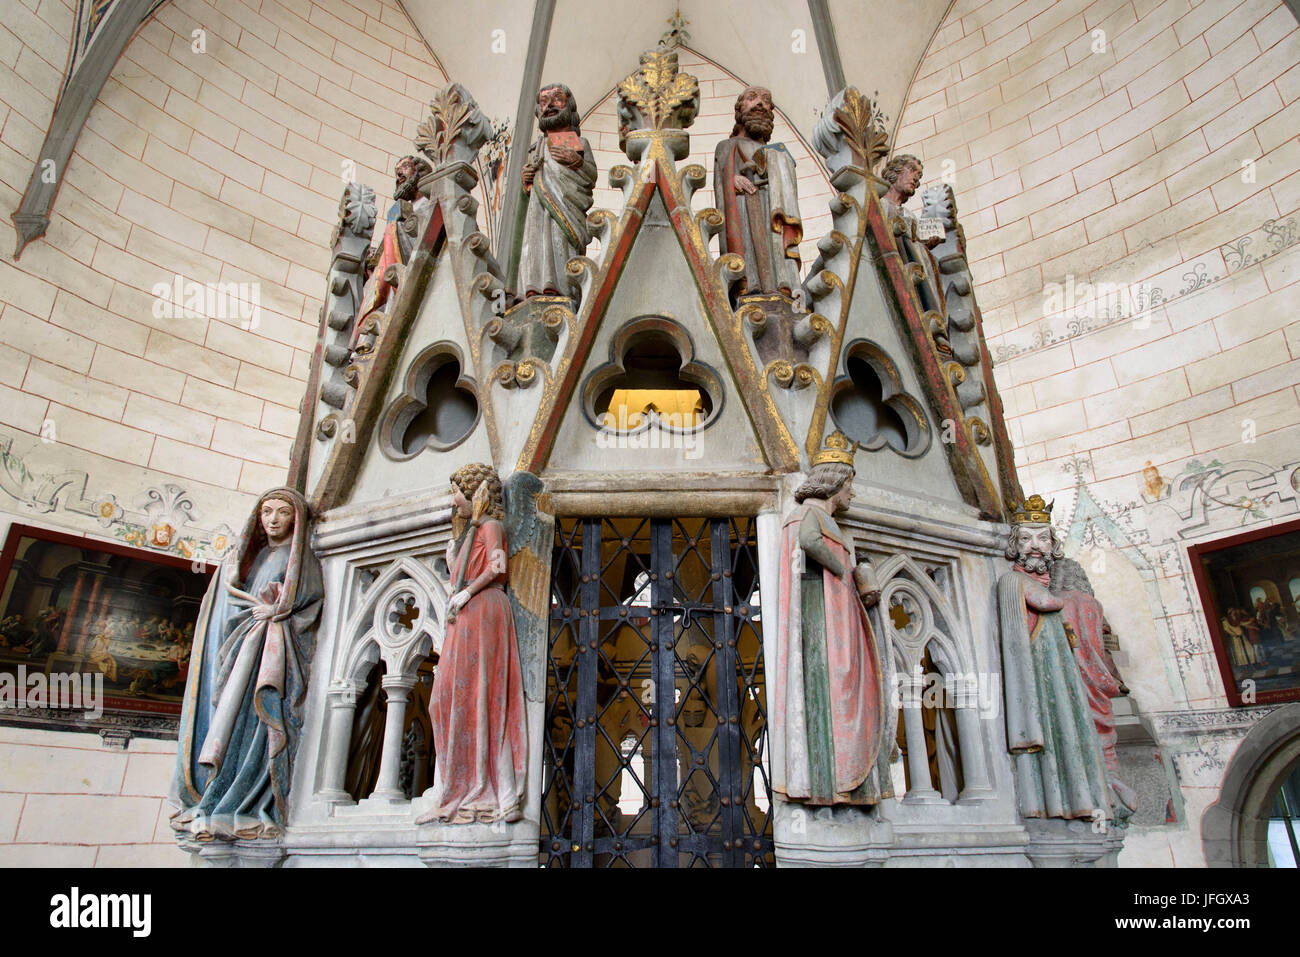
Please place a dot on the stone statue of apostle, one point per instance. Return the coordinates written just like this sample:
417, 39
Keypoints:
757, 193
559, 178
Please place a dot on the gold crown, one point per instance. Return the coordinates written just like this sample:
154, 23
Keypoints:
1034, 511
837, 450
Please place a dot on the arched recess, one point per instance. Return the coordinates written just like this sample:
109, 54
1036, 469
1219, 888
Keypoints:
396, 617
919, 625
1234, 829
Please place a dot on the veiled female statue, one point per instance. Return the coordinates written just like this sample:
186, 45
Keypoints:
242, 709
477, 704
829, 694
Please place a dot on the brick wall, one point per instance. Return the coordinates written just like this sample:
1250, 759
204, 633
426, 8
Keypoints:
1104, 141
220, 166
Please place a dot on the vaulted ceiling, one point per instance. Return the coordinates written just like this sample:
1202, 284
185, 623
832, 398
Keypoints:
594, 45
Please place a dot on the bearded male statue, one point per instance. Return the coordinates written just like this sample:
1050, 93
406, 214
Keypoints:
756, 190
1058, 684
389, 256
903, 174
559, 178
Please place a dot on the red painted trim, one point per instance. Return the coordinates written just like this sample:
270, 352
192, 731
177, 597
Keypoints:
17, 531
633, 215
962, 454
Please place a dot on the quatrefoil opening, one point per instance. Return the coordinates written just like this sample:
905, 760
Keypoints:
870, 406
437, 409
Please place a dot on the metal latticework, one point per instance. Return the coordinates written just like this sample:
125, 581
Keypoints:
656, 715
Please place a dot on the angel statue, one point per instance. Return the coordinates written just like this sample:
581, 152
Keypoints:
477, 704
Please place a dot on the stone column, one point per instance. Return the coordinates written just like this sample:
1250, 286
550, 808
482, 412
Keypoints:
918, 765
341, 705
971, 743
397, 690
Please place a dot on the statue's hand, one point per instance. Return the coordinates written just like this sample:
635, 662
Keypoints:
744, 184
263, 612
529, 172
566, 155
458, 601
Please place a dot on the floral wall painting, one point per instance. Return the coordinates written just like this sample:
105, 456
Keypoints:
1250, 593
94, 635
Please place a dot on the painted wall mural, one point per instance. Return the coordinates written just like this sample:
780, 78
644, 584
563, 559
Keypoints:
162, 517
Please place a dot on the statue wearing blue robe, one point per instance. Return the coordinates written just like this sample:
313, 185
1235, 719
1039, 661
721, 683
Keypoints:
242, 710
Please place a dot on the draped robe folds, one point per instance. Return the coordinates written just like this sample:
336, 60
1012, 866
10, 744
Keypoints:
242, 711
763, 227
829, 690
1060, 771
477, 704
1084, 614
555, 226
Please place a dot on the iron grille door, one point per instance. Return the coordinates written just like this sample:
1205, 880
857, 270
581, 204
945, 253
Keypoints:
656, 716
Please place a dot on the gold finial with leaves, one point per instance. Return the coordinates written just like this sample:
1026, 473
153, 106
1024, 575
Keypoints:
449, 113
863, 123
665, 98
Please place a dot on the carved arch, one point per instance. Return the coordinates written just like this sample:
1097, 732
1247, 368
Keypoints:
369, 636
902, 577
1234, 829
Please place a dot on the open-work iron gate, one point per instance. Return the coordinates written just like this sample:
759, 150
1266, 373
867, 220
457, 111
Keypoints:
656, 716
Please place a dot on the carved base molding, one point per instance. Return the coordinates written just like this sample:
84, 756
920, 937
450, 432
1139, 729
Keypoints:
1058, 843
830, 837
235, 853
479, 845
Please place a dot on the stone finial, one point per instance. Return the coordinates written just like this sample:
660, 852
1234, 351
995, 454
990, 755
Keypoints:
454, 129
655, 97
356, 214
852, 132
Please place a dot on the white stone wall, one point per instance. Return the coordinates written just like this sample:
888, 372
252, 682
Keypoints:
67, 800
220, 166
1122, 161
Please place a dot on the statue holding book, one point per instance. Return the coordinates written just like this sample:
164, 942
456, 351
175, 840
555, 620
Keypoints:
559, 178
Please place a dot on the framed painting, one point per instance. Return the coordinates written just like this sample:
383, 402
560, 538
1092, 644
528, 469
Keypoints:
1250, 592
94, 635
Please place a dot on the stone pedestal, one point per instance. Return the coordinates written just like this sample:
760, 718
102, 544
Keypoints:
1061, 843
479, 845
237, 853
830, 837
